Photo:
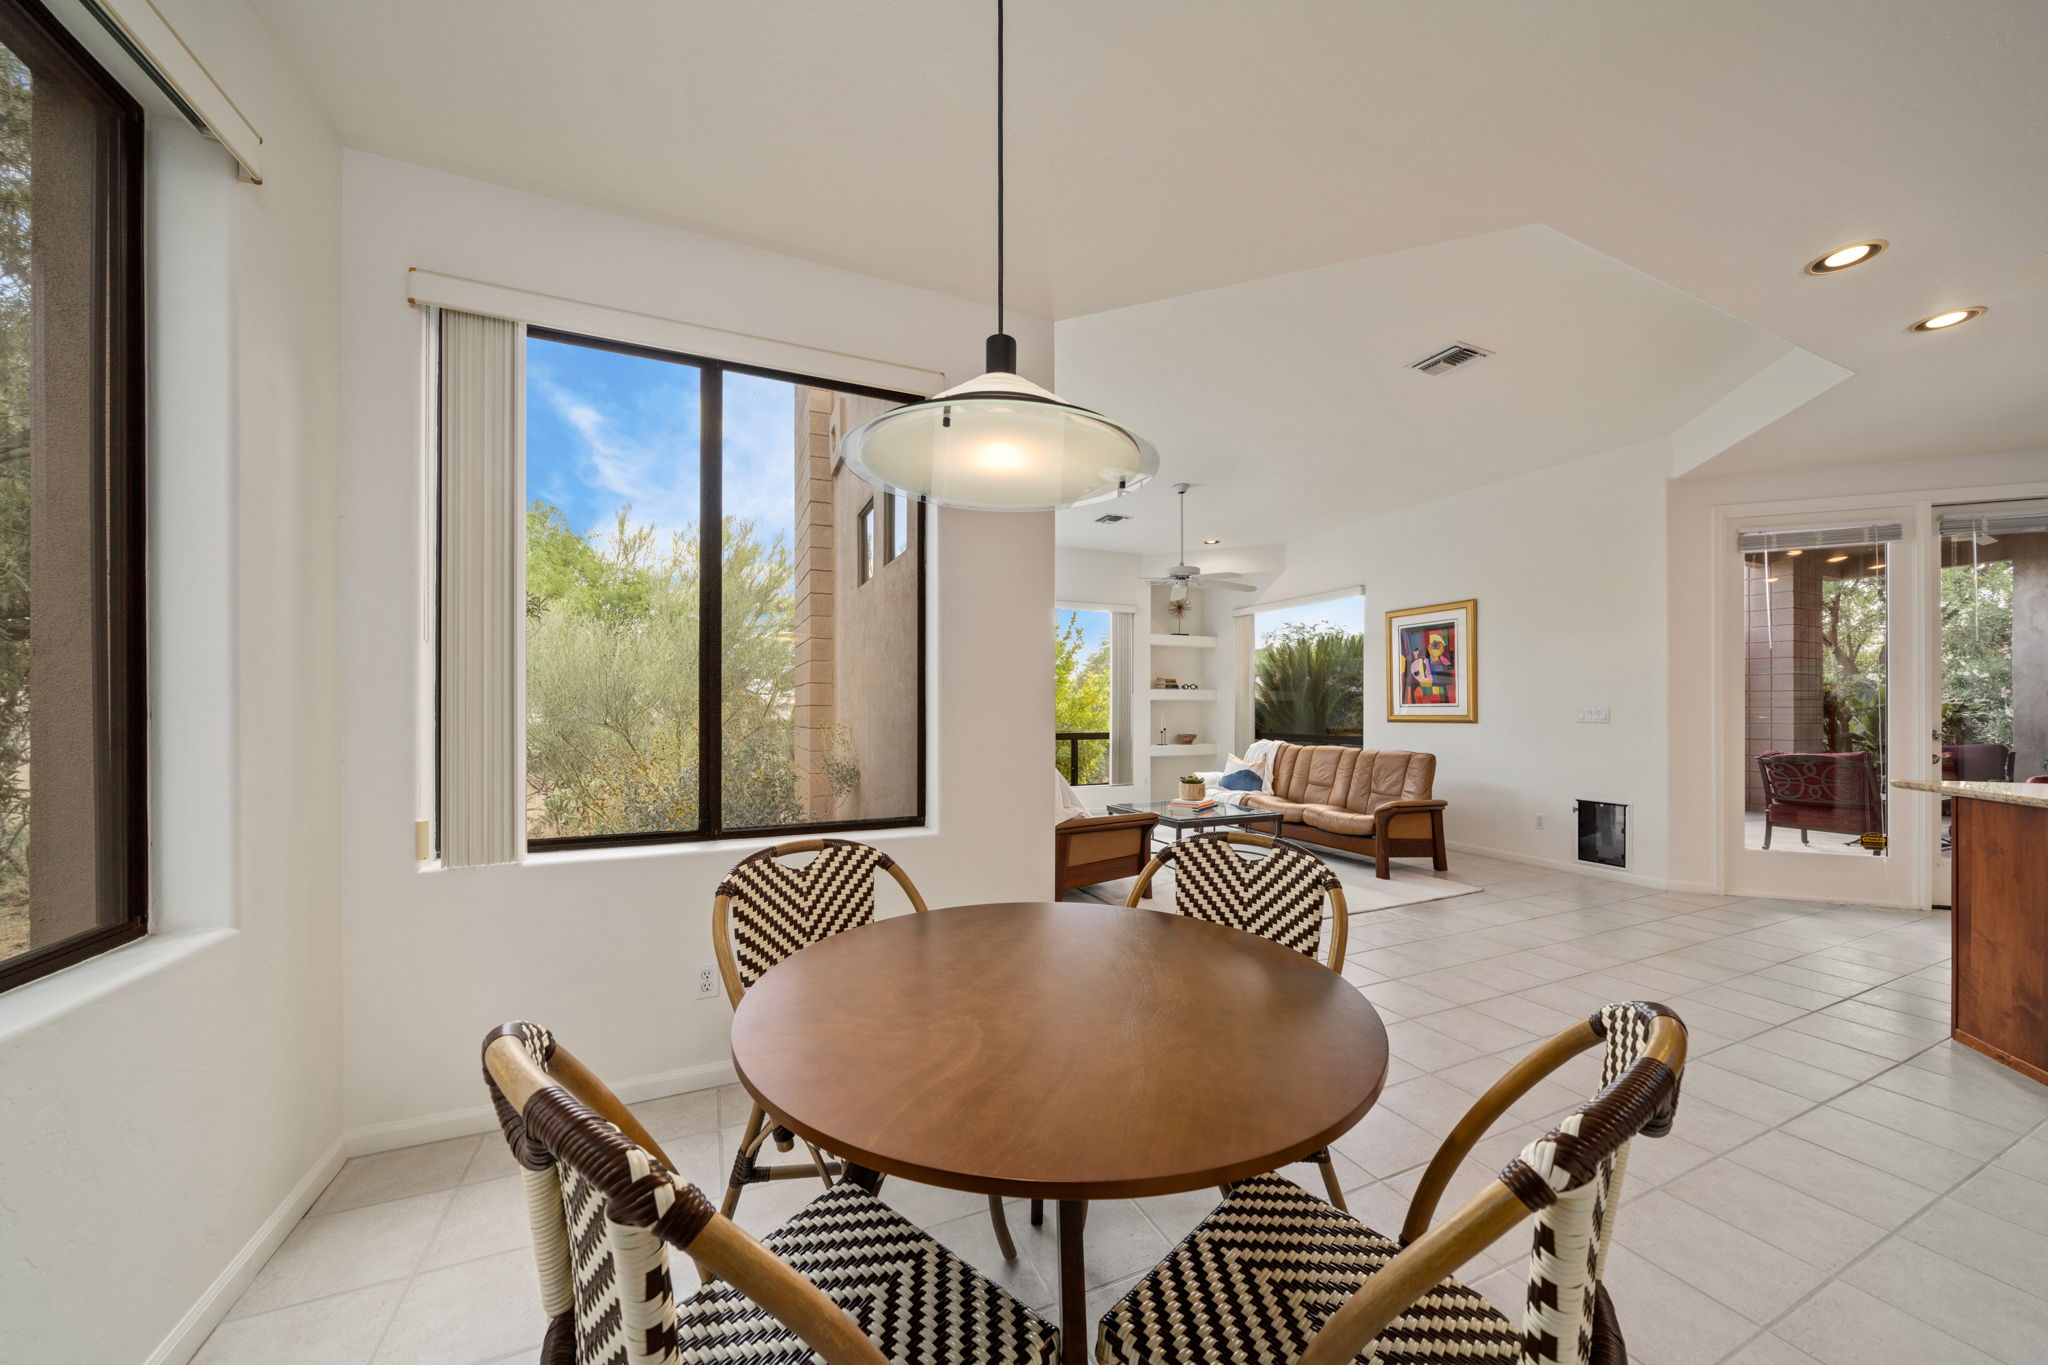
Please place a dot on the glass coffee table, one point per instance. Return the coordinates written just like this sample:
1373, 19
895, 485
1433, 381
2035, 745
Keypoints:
1183, 822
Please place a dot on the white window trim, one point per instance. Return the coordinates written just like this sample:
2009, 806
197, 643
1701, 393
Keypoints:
552, 311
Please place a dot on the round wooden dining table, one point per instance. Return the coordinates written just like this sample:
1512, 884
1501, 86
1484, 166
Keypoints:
1059, 1051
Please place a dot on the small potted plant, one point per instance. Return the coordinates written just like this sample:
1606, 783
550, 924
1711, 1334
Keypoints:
1192, 788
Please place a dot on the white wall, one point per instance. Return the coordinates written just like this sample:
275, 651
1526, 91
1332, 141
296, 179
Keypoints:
170, 1107
1694, 558
601, 946
1567, 565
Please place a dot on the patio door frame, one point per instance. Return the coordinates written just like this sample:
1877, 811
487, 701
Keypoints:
1906, 876
1903, 876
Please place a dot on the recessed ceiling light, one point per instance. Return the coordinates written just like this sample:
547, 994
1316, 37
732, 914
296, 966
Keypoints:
1212, 542
1836, 559
1954, 317
1841, 258
1790, 553
1875, 567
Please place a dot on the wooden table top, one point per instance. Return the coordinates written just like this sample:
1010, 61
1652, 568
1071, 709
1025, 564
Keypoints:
1059, 1050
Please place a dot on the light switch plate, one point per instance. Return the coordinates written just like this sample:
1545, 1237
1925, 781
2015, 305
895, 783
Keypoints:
1593, 715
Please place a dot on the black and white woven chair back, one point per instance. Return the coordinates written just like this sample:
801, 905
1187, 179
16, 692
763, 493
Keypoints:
1571, 1179
599, 1208
777, 909
1278, 895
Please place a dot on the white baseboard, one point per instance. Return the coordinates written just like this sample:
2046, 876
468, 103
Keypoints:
1613, 874
453, 1123
203, 1316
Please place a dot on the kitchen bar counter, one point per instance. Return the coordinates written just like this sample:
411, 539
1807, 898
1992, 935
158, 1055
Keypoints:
2006, 793
1999, 840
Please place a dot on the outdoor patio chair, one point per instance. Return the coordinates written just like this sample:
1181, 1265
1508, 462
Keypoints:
1276, 892
1276, 1276
765, 910
1835, 793
846, 1280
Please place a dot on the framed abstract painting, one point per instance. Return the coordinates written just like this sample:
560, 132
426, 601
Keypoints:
1432, 662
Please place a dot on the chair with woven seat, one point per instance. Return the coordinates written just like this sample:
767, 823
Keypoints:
765, 910
1276, 1276
846, 1280
1276, 892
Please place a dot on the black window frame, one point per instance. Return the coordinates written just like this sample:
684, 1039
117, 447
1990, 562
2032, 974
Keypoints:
711, 609
120, 502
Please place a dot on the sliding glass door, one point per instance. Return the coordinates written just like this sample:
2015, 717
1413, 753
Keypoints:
1826, 620
1994, 649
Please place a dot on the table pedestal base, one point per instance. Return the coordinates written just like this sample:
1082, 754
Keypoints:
1074, 1331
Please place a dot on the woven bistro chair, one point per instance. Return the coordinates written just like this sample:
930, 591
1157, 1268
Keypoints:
1276, 1276
1276, 894
765, 910
846, 1280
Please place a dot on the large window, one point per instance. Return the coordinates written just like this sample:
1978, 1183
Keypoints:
73, 850
1308, 673
1084, 685
713, 644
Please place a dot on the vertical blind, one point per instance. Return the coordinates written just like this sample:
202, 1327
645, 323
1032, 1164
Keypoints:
1122, 656
483, 470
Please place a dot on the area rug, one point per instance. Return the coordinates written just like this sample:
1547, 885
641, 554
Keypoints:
1363, 892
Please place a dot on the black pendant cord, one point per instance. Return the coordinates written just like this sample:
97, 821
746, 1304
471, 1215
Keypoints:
1001, 243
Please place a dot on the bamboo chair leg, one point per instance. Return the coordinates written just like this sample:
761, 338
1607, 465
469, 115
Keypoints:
1038, 1213
818, 1160
749, 1139
1323, 1160
1002, 1225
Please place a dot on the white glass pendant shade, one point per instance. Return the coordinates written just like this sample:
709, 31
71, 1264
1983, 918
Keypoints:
999, 443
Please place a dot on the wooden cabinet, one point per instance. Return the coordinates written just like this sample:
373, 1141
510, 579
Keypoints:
2000, 1000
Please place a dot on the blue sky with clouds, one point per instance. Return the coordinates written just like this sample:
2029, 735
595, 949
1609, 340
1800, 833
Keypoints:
604, 430
1094, 626
1347, 613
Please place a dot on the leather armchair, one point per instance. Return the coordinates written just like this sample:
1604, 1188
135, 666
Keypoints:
1100, 848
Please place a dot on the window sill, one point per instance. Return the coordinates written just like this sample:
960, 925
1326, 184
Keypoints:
733, 849
37, 1004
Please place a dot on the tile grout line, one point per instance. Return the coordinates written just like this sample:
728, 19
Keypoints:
1841, 1275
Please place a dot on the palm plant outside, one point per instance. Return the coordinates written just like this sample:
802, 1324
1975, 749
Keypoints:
1310, 680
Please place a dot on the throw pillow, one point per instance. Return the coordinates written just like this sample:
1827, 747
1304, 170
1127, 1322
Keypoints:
1241, 780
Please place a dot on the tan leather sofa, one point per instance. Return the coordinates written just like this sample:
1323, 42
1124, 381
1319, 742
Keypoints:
1100, 848
1375, 803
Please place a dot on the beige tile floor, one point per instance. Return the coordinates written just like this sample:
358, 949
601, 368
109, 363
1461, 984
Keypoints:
1844, 1185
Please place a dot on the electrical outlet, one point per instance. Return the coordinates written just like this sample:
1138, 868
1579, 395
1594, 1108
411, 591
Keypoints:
707, 983
1594, 715
1539, 822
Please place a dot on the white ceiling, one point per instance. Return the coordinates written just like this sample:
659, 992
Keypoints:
1289, 404
1166, 147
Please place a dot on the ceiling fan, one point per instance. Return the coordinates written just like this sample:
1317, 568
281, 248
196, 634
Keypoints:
1181, 577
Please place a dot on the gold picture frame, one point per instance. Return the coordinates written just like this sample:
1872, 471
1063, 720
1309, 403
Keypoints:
1432, 663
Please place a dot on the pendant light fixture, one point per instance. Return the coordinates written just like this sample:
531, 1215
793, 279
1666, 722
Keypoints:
999, 442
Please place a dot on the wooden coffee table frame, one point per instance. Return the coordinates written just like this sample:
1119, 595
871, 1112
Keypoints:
1060, 1051
1195, 823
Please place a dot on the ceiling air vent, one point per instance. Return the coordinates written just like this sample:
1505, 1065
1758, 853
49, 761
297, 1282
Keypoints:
1450, 358
1111, 518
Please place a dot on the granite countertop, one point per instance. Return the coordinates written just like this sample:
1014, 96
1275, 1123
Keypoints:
2011, 793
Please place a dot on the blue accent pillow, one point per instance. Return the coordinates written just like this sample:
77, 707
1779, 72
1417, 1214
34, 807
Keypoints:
1243, 780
